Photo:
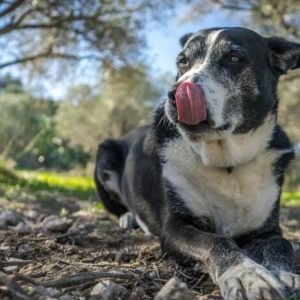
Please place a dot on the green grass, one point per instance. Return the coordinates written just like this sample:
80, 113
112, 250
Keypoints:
17, 182
14, 182
291, 198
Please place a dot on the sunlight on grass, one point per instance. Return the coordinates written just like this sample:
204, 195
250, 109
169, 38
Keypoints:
60, 180
290, 198
30, 184
78, 186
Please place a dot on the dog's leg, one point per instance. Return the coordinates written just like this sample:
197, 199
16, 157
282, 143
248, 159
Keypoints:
276, 254
127, 221
238, 276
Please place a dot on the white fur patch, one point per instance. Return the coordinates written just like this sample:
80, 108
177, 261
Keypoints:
236, 202
142, 225
112, 184
235, 149
255, 281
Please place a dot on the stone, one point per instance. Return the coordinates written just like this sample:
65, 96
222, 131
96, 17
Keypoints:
108, 290
175, 289
56, 224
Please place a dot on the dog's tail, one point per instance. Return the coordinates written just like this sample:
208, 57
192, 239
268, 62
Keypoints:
297, 150
110, 161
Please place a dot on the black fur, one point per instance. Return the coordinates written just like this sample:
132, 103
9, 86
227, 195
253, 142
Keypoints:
145, 191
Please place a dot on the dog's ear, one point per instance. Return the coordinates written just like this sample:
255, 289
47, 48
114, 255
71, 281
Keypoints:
285, 55
184, 39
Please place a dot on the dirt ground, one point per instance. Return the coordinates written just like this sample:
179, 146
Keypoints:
63, 249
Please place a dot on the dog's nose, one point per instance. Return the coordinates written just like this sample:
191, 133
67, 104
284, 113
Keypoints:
171, 94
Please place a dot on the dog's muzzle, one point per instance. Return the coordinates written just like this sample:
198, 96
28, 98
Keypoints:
189, 101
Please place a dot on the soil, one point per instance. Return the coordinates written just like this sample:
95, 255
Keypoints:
62, 249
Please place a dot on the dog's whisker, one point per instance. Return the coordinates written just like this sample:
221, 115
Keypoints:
160, 122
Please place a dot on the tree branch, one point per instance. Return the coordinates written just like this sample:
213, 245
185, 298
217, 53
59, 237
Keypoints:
233, 7
57, 23
47, 54
11, 7
38, 56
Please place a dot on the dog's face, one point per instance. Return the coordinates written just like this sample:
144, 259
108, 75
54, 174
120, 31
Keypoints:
238, 71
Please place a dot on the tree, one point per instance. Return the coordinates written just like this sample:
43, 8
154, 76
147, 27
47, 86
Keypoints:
124, 102
28, 132
280, 17
108, 31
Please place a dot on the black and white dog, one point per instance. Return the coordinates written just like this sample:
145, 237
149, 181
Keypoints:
206, 176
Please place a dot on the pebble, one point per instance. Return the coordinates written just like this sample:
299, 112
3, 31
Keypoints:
56, 224
8, 218
175, 289
22, 228
108, 290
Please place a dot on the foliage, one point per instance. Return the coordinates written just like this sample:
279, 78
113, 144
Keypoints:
28, 133
124, 102
105, 31
272, 17
291, 198
34, 184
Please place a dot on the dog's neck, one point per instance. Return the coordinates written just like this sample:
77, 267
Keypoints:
236, 149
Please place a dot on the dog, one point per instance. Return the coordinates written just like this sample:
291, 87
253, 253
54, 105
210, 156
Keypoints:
206, 175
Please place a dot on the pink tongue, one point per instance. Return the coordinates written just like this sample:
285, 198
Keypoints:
190, 104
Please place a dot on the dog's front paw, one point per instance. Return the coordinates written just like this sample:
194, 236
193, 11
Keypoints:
249, 280
127, 221
292, 281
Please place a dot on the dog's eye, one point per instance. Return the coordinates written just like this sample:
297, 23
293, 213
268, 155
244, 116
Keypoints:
234, 58
183, 61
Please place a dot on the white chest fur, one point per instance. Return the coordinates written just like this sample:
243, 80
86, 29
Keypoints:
236, 202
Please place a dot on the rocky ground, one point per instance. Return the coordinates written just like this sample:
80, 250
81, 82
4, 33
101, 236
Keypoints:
68, 249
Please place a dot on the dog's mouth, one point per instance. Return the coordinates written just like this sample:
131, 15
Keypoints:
190, 109
190, 104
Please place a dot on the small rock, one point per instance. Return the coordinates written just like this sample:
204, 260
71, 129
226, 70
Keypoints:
139, 294
25, 249
56, 224
8, 218
108, 290
10, 268
22, 228
175, 289
51, 244
31, 214
43, 293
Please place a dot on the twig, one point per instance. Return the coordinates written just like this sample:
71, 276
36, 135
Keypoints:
76, 279
101, 264
199, 280
156, 270
81, 286
184, 275
54, 237
8, 263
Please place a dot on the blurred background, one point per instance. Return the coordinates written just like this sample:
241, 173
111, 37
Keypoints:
73, 73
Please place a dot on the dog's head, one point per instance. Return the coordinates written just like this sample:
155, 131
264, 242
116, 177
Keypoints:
237, 72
